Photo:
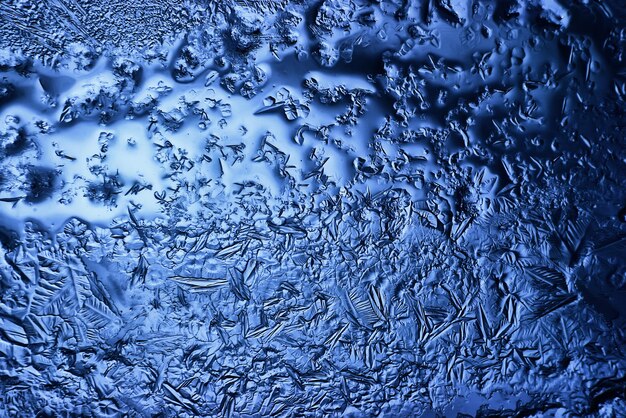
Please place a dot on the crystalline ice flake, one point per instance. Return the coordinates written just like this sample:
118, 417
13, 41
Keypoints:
337, 208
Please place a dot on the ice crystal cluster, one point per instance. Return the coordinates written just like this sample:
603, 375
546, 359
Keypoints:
312, 208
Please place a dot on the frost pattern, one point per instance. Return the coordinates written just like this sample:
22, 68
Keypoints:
335, 208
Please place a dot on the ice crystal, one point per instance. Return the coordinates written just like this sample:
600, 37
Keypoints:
335, 208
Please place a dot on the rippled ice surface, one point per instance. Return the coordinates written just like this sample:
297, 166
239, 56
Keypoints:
312, 208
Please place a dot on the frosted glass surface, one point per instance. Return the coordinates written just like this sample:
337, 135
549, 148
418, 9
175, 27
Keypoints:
304, 208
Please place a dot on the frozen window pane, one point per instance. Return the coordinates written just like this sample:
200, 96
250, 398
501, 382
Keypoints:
312, 208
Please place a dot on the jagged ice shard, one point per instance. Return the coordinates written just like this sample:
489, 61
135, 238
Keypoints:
335, 208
